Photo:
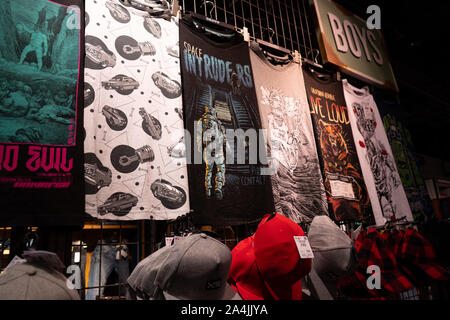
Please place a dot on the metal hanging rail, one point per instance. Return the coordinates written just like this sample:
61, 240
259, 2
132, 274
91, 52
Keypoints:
284, 23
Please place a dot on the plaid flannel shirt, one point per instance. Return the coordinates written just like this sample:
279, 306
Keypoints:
375, 251
418, 255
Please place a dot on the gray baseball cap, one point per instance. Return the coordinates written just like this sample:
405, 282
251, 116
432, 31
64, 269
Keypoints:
334, 256
26, 281
142, 279
195, 267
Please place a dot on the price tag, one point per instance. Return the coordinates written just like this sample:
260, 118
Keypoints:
341, 189
169, 241
303, 246
76, 257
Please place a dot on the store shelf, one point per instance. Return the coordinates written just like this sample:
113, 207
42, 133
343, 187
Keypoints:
98, 226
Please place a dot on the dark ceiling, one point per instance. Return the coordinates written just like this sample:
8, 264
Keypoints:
417, 36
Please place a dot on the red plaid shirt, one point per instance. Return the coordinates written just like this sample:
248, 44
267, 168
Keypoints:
418, 255
374, 250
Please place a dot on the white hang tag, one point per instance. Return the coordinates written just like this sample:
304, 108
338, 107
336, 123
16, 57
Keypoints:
303, 246
341, 189
76, 257
124, 253
169, 241
118, 255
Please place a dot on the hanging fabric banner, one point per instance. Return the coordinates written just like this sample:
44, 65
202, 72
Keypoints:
380, 172
135, 165
341, 169
41, 113
297, 184
227, 183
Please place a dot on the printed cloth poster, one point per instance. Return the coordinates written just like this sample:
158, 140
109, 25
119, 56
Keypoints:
227, 177
383, 181
403, 150
297, 183
341, 170
135, 165
41, 144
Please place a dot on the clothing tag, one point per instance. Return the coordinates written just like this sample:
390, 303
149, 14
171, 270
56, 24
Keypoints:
118, 255
342, 189
123, 252
176, 238
303, 246
76, 257
169, 241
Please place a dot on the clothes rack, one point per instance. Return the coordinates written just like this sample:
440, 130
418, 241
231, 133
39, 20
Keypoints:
312, 63
272, 46
218, 23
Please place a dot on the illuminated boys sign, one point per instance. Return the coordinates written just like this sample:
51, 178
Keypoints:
346, 42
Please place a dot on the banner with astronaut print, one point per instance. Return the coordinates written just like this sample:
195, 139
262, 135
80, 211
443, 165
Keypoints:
135, 165
297, 185
227, 183
40, 112
380, 172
